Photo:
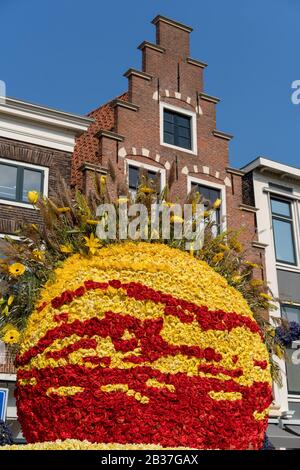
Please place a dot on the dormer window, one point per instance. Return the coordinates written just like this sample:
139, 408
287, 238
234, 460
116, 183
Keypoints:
178, 128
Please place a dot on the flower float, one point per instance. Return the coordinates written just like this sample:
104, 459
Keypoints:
142, 345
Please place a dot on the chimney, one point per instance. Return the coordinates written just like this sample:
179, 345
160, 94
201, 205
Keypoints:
173, 36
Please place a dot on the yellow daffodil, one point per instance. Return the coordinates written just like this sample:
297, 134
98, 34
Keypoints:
217, 203
33, 197
122, 200
65, 249
146, 190
63, 210
176, 219
266, 296
252, 265
237, 246
103, 179
11, 336
256, 282
92, 243
16, 269
224, 247
218, 257
207, 214
92, 222
10, 300
39, 255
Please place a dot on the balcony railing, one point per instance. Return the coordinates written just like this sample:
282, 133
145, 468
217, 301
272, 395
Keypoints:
7, 359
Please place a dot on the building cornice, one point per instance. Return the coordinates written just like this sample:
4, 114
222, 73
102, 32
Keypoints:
247, 208
92, 167
125, 104
151, 45
138, 73
212, 99
18, 109
235, 171
198, 63
110, 135
171, 22
222, 135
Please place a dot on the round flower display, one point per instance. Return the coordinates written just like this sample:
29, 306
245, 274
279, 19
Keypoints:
142, 344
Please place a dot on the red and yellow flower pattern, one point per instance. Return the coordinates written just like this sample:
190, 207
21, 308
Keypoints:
142, 344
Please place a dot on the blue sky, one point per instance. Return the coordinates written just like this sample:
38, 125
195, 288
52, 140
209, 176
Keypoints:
71, 55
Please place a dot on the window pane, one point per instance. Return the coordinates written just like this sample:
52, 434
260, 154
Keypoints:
293, 376
8, 182
183, 142
177, 129
183, 121
281, 207
169, 116
184, 132
133, 177
291, 313
284, 242
32, 181
169, 128
169, 138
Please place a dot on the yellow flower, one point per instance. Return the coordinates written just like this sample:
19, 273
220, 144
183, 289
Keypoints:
146, 190
103, 179
33, 197
10, 300
278, 351
16, 269
66, 249
92, 222
237, 246
256, 282
63, 210
266, 296
39, 255
218, 257
92, 243
168, 204
253, 265
224, 247
217, 203
207, 213
176, 219
11, 336
236, 278
122, 200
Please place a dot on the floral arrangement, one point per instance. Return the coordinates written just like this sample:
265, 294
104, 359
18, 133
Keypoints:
127, 349
287, 333
138, 343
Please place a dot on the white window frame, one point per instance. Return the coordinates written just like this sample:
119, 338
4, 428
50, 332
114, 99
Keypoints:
221, 188
177, 109
295, 226
136, 164
29, 166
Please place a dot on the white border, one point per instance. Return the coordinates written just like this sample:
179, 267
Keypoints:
162, 106
26, 165
221, 187
157, 169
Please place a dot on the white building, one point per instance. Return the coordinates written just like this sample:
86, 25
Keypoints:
274, 189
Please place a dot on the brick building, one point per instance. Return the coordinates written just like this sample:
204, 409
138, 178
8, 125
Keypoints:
166, 118
36, 147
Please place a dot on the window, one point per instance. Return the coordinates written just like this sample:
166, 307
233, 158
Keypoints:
292, 313
17, 180
282, 222
177, 129
209, 196
134, 173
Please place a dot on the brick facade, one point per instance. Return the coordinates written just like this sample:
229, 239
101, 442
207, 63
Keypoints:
59, 164
128, 128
